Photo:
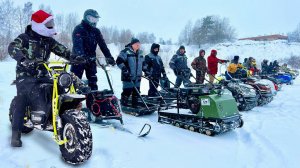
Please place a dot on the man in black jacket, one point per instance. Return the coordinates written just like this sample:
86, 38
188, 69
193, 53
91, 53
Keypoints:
154, 68
86, 37
28, 49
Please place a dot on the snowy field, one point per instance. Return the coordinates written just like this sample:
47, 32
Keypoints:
269, 138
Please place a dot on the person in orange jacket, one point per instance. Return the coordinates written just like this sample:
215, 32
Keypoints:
232, 69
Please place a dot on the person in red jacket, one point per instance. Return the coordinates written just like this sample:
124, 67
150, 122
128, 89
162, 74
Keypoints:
212, 62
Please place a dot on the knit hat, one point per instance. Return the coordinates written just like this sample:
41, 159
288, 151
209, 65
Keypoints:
39, 20
134, 40
181, 47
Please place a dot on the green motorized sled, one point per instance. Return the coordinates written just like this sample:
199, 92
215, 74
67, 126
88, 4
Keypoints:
210, 112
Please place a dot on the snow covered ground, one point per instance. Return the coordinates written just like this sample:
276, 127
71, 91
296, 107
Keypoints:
269, 138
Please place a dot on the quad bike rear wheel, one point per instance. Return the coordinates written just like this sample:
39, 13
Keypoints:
12, 111
77, 131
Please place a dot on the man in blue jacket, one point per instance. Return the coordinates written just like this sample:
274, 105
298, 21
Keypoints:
130, 61
178, 64
86, 36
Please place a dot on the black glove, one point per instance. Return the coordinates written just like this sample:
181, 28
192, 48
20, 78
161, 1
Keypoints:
79, 60
165, 75
111, 61
27, 62
176, 72
147, 74
125, 72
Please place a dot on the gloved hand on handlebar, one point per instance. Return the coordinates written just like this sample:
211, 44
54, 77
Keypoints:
27, 62
111, 61
78, 60
165, 75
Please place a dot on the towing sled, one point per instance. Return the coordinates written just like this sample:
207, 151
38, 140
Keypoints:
103, 105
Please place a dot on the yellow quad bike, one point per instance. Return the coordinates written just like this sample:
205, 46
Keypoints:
62, 114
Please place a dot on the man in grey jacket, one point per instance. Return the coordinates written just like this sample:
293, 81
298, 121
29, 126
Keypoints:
178, 64
130, 61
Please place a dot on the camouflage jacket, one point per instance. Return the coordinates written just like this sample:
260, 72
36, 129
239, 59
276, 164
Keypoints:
199, 64
37, 48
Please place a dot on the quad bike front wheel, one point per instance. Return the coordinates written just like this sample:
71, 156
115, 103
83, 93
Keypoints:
77, 131
12, 111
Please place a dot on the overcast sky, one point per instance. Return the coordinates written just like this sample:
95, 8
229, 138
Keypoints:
166, 18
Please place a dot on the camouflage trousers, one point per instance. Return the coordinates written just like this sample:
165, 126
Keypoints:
200, 77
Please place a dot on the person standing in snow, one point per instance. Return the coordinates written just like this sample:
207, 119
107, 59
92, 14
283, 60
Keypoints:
28, 49
178, 64
86, 36
154, 69
199, 65
130, 61
212, 62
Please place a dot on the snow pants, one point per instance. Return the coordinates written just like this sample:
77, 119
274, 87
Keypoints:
90, 72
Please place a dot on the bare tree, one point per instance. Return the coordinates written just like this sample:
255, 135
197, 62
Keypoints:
295, 35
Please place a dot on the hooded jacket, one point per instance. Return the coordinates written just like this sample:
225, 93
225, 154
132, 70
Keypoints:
212, 62
153, 64
178, 62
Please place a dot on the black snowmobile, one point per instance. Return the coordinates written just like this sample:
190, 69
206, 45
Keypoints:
245, 95
263, 91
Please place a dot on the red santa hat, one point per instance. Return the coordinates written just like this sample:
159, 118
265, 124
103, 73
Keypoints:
38, 21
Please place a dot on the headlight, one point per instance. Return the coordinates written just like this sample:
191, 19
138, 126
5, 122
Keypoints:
65, 80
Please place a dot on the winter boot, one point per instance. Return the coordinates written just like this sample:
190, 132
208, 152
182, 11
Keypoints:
124, 100
16, 139
134, 101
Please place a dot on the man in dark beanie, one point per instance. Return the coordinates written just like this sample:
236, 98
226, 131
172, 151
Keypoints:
86, 36
154, 68
199, 65
130, 61
178, 64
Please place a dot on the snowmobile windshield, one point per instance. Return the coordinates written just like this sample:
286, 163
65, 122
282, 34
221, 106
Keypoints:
50, 24
92, 19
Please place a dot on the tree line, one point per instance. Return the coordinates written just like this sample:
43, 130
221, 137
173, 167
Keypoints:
207, 30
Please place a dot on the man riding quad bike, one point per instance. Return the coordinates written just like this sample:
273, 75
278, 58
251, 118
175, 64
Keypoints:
42, 101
